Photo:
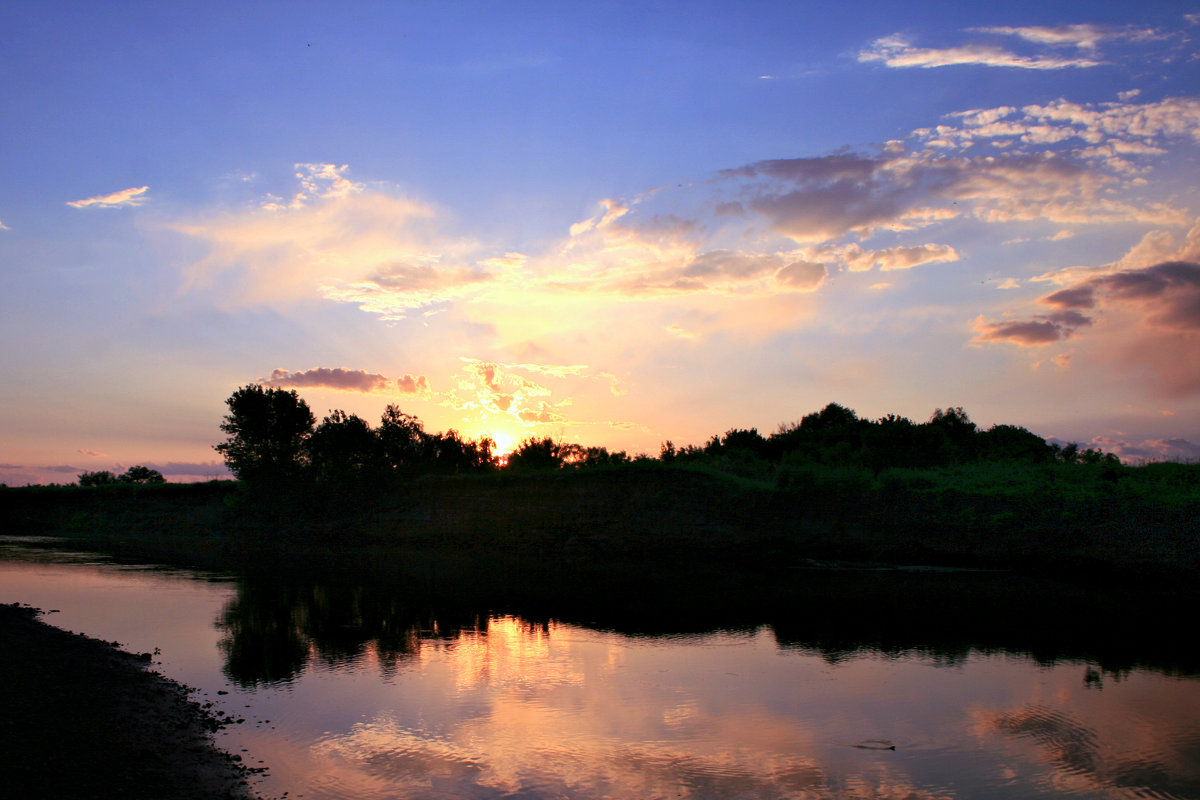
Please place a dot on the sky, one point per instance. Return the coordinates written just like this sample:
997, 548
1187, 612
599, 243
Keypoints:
612, 223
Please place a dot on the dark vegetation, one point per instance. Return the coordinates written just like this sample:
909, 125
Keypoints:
827, 489
841, 533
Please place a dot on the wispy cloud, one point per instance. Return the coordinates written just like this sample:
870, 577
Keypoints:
1083, 36
897, 51
125, 197
347, 380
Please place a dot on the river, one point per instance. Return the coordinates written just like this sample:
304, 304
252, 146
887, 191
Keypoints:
372, 691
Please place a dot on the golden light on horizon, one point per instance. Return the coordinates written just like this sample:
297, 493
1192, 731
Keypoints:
505, 442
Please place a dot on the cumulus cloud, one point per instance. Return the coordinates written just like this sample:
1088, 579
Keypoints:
125, 197
897, 51
346, 380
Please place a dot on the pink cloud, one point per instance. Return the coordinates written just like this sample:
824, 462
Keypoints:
345, 380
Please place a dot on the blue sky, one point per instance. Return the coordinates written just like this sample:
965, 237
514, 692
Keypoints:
610, 223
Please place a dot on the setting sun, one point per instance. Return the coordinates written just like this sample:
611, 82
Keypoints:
504, 442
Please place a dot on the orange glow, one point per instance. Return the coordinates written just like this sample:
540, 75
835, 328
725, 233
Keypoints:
505, 442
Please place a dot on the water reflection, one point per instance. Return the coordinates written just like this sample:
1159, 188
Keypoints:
277, 626
416, 685
801, 694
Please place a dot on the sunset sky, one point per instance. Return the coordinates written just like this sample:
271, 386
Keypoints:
611, 223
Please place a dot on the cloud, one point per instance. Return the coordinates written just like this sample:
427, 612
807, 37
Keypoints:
1146, 318
4, 227
804, 276
346, 380
178, 471
520, 393
331, 239
1083, 36
896, 51
857, 259
760, 231
823, 199
1172, 449
1042, 329
410, 384
125, 197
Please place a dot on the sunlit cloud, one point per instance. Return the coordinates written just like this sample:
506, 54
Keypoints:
125, 197
1083, 36
518, 393
1150, 314
346, 380
897, 51
4, 227
330, 235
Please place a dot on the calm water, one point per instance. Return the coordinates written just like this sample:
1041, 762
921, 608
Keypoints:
369, 692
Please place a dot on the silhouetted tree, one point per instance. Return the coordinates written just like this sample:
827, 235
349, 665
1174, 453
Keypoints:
450, 452
100, 478
142, 475
403, 439
959, 431
537, 454
344, 450
267, 430
581, 457
1013, 443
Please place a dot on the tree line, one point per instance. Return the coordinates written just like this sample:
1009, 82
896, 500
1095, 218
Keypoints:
274, 440
835, 435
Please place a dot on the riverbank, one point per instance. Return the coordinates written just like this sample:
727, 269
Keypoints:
83, 719
1055, 519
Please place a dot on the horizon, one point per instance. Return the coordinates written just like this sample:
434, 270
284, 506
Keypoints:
614, 226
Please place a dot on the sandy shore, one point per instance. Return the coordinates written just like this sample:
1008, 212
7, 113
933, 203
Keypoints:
80, 718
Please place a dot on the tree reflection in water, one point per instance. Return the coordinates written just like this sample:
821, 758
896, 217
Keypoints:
278, 625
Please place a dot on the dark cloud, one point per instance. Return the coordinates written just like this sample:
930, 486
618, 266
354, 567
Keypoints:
1169, 293
1041, 329
1154, 312
346, 380
1080, 297
820, 169
827, 197
1023, 332
826, 212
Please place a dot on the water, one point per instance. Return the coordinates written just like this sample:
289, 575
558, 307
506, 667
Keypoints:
372, 691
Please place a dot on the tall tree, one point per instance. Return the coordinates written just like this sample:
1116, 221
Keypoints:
267, 429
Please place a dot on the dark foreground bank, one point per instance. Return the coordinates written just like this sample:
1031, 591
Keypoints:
83, 719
